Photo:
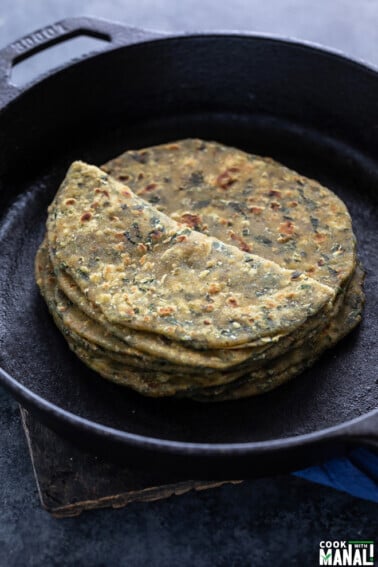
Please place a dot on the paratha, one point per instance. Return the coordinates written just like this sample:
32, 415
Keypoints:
138, 266
249, 385
154, 345
257, 262
249, 201
158, 382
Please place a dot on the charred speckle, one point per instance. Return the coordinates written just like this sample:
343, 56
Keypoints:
124, 207
242, 244
102, 192
154, 235
167, 179
274, 193
193, 221
150, 187
274, 205
286, 217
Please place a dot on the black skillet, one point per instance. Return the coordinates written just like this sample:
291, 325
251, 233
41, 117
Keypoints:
316, 111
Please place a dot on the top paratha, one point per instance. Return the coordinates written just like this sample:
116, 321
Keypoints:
138, 266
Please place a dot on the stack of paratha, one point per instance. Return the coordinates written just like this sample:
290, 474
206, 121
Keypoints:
195, 269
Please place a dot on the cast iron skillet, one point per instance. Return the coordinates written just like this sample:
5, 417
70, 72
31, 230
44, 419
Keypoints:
316, 111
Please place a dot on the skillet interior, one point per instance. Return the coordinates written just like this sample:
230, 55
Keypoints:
311, 111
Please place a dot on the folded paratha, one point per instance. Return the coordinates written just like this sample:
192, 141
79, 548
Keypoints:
138, 266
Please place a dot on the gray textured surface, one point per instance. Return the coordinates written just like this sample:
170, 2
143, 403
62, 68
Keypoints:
270, 521
265, 522
344, 24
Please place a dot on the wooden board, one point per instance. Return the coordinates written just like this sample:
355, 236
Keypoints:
70, 481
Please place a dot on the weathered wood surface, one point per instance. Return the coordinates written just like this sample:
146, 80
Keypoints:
70, 481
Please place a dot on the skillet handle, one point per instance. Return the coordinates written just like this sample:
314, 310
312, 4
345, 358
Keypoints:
114, 33
364, 432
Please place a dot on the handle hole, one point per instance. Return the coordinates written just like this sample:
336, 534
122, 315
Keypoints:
25, 70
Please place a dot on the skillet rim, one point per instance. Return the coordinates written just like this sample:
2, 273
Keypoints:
183, 447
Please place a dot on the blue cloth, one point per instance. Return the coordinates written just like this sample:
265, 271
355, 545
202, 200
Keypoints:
356, 474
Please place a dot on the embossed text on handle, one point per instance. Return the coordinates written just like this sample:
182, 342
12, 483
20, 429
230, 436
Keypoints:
39, 37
